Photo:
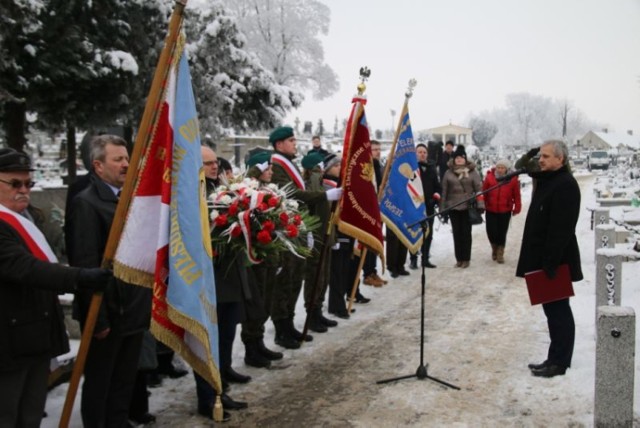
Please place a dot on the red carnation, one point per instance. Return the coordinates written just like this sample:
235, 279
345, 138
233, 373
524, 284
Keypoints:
221, 220
297, 219
273, 202
236, 231
292, 231
268, 226
264, 237
284, 218
262, 206
233, 209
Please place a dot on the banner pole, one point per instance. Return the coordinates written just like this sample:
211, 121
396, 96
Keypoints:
142, 140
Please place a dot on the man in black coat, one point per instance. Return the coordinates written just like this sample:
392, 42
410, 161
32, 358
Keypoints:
549, 240
432, 190
112, 360
369, 271
32, 330
445, 157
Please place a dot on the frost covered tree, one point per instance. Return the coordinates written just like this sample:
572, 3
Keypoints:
285, 35
483, 131
76, 62
233, 89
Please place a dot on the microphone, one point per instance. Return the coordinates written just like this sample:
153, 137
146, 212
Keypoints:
515, 173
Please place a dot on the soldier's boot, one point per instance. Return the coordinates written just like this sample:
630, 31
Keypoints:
315, 323
297, 335
283, 335
494, 252
253, 357
268, 353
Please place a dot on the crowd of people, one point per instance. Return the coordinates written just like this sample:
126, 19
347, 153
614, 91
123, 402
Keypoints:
116, 377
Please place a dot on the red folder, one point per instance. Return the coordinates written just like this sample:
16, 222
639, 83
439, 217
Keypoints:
544, 290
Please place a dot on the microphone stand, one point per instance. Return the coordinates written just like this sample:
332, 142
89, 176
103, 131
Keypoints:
422, 371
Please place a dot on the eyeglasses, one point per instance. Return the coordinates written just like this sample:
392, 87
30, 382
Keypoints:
17, 184
209, 163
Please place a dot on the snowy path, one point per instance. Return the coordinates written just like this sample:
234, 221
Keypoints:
480, 334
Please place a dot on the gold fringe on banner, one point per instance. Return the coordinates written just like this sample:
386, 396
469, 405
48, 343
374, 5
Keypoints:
132, 275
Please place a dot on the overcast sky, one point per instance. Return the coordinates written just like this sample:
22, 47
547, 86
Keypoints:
468, 54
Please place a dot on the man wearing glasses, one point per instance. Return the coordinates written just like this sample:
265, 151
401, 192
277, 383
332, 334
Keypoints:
32, 330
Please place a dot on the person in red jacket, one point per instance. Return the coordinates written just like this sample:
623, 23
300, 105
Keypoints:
500, 204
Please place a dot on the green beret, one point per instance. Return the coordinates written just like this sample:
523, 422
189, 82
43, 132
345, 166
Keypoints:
260, 157
311, 160
280, 134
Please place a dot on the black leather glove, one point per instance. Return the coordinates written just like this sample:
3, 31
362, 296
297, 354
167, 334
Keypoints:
480, 211
550, 271
94, 279
444, 218
533, 152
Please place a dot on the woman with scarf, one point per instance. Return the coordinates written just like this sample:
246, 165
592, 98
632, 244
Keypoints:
500, 204
459, 184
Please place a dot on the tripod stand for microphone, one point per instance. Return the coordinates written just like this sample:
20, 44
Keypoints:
422, 372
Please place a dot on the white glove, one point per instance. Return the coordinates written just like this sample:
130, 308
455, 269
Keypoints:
309, 240
334, 194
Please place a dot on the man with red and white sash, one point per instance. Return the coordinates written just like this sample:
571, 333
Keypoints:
289, 280
32, 330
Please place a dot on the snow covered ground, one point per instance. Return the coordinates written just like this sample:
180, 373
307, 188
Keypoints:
480, 334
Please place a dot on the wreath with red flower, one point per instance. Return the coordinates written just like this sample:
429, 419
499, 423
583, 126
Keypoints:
259, 221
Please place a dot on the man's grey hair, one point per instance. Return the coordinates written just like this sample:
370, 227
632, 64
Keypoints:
559, 149
98, 144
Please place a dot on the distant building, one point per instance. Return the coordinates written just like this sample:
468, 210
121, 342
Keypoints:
456, 133
604, 140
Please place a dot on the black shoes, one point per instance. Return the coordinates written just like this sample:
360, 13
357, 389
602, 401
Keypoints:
327, 321
343, 315
361, 299
549, 371
232, 376
297, 335
229, 403
253, 357
283, 335
413, 265
268, 353
404, 272
394, 274
428, 264
154, 380
533, 366
315, 322
207, 412
144, 419
172, 371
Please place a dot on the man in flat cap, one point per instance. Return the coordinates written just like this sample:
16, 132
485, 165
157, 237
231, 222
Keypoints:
289, 280
32, 330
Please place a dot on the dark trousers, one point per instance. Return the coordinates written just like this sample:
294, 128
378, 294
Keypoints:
562, 331
497, 226
23, 393
315, 297
228, 317
253, 326
425, 249
339, 284
109, 378
286, 290
461, 228
140, 397
369, 267
396, 253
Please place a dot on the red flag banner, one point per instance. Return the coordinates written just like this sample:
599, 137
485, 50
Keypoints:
359, 212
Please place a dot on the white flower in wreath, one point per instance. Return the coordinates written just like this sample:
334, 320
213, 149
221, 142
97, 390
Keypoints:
226, 200
251, 183
248, 191
235, 187
214, 214
292, 204
272, 186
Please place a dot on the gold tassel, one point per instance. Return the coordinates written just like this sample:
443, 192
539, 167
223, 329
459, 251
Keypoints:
218, 414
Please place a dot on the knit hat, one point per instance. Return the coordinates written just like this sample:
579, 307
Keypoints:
460, 152
311, 160
261, 160
330, 161
504, 162
13, 160
279, 134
